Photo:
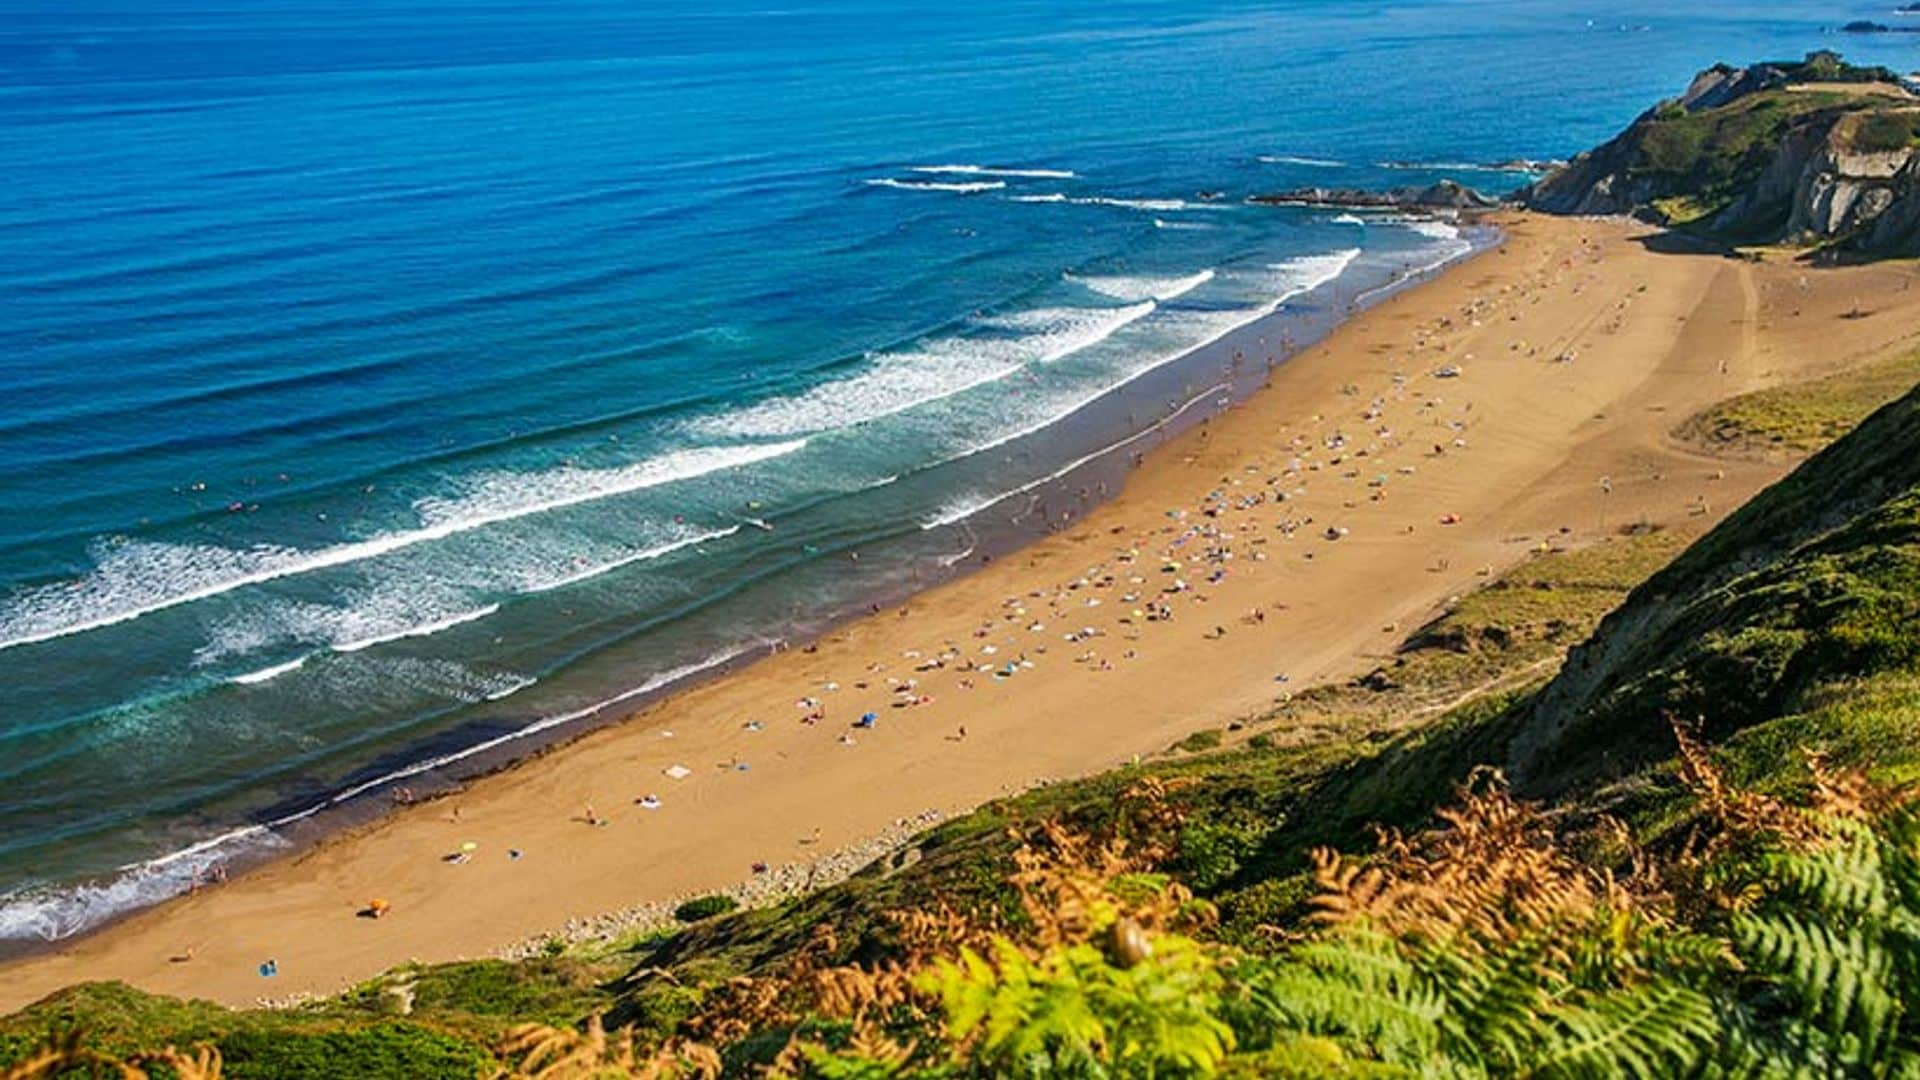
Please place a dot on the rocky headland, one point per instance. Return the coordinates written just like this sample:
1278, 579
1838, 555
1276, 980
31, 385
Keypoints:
1817, 153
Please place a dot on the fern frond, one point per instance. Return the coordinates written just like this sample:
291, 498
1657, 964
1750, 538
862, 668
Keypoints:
1841, 977
1356, 988
1655, 1030
1843, 878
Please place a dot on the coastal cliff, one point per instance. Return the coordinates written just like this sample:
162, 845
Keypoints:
1816, 153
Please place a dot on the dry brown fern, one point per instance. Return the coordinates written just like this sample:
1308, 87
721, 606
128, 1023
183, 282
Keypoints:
1064, 879
1736, 814
541, 1052
205, 1062
67, 1051
1493, 873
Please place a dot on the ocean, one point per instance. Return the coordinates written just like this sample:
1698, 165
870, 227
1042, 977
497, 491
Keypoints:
393, 387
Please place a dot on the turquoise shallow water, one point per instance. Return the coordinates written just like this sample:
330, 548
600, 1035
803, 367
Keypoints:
382, 381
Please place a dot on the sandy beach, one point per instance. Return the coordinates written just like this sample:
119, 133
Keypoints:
1524, 398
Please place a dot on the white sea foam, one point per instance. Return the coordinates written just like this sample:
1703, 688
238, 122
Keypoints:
1458, 166
1292, 279
1161, 223
135, 578
594, 570
1436, 230
53, 914
969, 505
990, 170
1162, 205
1307, 273
1294, 159
1448, 244
266, 673
1054, 330
969, 187
1138, 204
546, 723
1144, 288
426, 629
420, 598
396, 604
1445, 249
936, 369
1349, 219
511, 687
1447, 253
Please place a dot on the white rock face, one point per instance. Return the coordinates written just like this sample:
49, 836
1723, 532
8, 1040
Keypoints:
1860, 165
1841, 191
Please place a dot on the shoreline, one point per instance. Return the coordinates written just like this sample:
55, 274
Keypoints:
1516, 484
444, 764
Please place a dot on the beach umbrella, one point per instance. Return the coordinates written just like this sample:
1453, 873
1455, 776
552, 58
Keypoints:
469, 847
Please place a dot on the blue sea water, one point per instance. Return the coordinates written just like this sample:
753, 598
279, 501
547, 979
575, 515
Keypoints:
383, 382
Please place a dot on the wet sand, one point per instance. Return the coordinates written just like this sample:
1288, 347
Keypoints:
1525, 397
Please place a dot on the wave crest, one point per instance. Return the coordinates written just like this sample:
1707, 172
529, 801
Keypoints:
1295, 159
940, 368
1144, 288
969, 187
994, 170
131, 579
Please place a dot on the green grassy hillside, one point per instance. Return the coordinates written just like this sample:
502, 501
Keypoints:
1799, 419
1805, 600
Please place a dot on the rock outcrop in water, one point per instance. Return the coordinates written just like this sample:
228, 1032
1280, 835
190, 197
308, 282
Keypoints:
1445, 195
1817, 153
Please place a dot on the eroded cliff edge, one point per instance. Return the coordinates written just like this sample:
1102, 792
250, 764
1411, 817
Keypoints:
1817, 152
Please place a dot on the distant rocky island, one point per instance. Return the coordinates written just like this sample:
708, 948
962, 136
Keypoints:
1868, 26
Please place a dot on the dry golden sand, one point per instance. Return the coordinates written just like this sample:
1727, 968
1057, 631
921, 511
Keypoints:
1580, 349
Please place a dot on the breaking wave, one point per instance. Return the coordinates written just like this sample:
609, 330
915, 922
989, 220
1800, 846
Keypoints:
55, 914
1293, 278
1292, 159
992, 170
962, 188
1524, 168
266, 673
1144, 288
938, 368
426, 629
1160, 205
135, 578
